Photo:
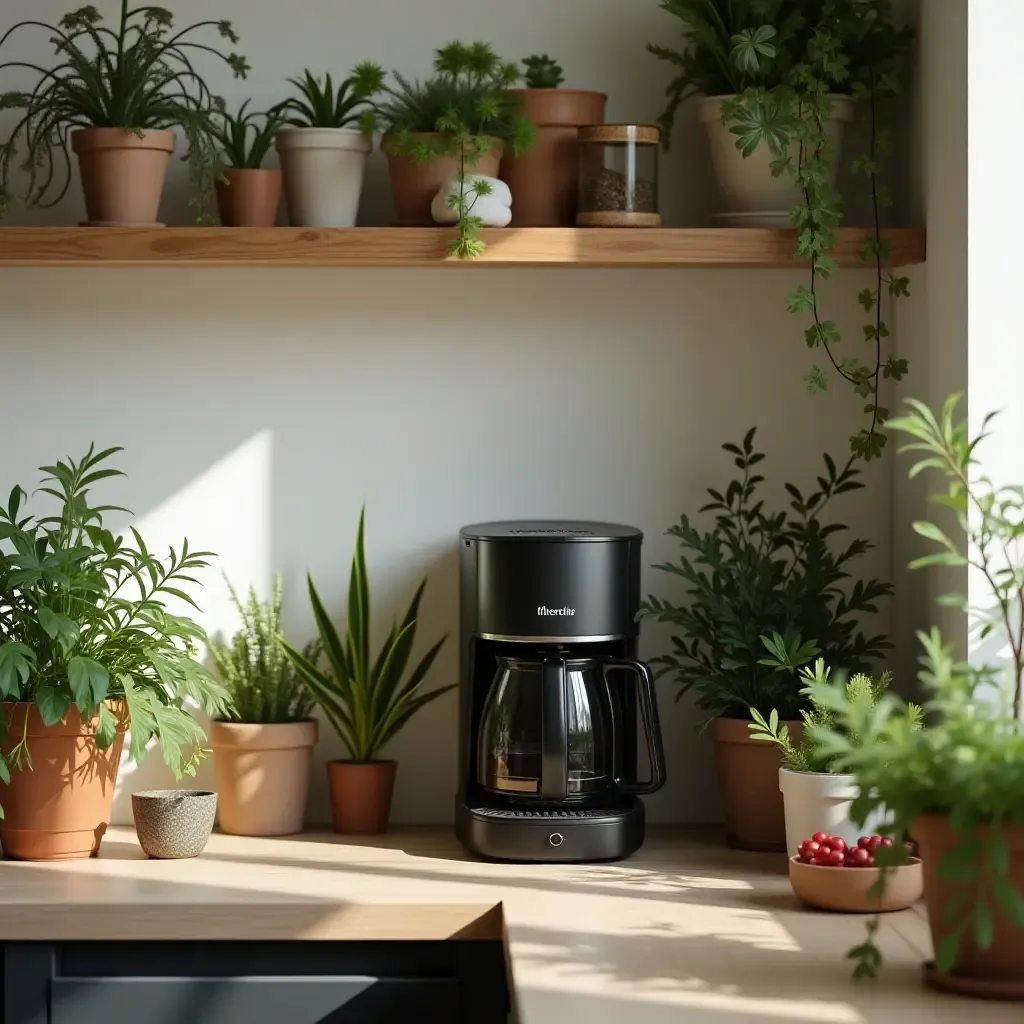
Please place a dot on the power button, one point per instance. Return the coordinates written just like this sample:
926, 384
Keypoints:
556, 839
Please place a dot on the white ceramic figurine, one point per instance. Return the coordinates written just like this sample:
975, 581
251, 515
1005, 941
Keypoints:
495, 210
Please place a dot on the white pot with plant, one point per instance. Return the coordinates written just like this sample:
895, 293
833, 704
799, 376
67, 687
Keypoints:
816, 798
324, 145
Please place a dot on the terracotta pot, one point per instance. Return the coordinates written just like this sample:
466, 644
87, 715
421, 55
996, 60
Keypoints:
60, 809
996, 972
248, 198
122, 174
748, 773
545, 180
414, 184
262, 776
361, 796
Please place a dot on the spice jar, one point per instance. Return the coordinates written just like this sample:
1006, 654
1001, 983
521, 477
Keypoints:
619, 176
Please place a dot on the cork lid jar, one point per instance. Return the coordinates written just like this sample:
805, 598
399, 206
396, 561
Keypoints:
618, 166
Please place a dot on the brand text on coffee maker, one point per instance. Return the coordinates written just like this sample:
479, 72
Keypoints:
544, 610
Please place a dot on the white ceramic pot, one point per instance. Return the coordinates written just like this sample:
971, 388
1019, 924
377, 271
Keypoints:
816, 802
323, 174
749, 195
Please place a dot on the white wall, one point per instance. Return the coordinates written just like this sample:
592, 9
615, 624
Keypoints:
260, 408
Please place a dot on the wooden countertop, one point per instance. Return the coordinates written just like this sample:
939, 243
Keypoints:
685, 932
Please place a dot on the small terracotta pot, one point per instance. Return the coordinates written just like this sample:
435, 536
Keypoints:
248, 198
361, 796
60, 809
414, 184
748, 773
996, 972
122, 174
545, 180
262, 776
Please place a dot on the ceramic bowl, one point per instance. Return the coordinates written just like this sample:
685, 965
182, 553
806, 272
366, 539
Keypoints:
847, 888
174, 823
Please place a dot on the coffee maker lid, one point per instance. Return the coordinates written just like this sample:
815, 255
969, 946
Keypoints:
550, 530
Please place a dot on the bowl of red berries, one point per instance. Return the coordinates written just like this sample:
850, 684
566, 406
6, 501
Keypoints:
830, 874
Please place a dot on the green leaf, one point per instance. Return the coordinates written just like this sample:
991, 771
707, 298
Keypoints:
58, 627
999, 852
106, 728
1011, 901
946, 951
89, 682
5, 773
983, 924
52, 704
16, 663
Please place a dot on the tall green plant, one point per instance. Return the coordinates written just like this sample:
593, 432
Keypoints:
457, 113
760, 572
137, 76
782, 61
259, 676
968, 764
72, 633
367, 700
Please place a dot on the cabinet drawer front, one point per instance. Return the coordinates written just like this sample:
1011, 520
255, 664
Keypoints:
255, 1000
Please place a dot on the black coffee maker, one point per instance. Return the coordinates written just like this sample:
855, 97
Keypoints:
554, 707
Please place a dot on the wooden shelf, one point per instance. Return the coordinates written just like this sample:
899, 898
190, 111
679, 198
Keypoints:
426, 247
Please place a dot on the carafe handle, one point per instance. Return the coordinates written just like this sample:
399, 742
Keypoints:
652, 729
553, 736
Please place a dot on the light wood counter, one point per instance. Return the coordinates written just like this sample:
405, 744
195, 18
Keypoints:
685, 932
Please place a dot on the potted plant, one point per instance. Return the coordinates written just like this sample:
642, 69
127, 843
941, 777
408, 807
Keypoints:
957, 785
755, 573
88, 650
366, 700
459, 121
545, 180
247, 193
116, 94
324, 145
261, 754
815, 795
778, 80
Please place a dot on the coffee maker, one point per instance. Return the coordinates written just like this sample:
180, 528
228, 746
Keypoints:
554, 706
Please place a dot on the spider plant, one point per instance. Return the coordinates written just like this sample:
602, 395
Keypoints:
136, 76
318, 105
245, 142
367, 701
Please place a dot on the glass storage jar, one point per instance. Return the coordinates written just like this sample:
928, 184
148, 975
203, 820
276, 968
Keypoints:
619, 176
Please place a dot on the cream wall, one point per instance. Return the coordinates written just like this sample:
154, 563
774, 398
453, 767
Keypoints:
260, 408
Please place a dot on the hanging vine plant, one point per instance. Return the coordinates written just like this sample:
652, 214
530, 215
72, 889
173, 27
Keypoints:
783, 81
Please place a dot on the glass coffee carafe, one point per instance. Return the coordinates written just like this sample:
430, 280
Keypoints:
551, 731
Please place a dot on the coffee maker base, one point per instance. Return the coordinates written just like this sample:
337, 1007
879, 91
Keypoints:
551, 836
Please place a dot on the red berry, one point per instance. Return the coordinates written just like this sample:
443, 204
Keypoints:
812, 847
858, 858
874, 842
871, 862
820, 837
837, 843
886, 841
836, 859
863, 842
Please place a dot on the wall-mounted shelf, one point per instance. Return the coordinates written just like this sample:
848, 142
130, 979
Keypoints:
426, 247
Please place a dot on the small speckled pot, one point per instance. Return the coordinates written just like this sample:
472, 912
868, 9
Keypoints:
174, 823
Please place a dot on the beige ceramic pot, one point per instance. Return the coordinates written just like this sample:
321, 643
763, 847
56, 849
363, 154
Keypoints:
850, 889
60, 808
414, 184
361, 795
122, 174
262, 774
748, 773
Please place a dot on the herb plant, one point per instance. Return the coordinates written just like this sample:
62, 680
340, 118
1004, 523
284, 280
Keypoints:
367, 701
319, 105
243, 140
968, 764
458, 113
136, 76
758, 573
259, 676
781, 61
542, 72
72, 633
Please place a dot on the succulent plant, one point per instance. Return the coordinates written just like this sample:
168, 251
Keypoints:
542, 72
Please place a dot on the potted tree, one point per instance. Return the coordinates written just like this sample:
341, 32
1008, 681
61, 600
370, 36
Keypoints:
262, 753
545, 180
324, 145
116, 93
88, 650
248, 194
462, 119
957, 785
762, 573
816, 796
366, 700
